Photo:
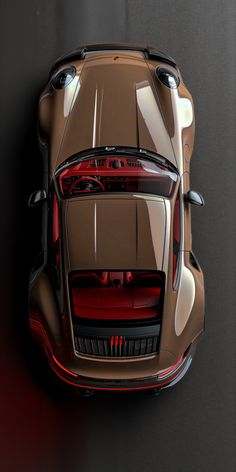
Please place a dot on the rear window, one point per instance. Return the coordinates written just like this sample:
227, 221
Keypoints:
117, 295
116, 174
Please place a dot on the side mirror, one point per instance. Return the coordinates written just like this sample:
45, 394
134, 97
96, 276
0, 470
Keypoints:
37, 197
194, 198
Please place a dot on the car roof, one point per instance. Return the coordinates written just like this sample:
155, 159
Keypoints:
122, 232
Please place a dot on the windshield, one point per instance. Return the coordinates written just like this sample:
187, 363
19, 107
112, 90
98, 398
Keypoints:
117, 174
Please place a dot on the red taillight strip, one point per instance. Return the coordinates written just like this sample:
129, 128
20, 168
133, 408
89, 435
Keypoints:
64, 368
91, 387
171, 369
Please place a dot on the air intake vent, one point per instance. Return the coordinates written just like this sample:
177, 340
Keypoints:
133, 163
97, 163
117, 346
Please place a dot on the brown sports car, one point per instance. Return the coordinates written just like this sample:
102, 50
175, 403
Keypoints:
116, 295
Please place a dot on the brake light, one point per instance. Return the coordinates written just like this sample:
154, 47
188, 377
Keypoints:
63, 368
170, 370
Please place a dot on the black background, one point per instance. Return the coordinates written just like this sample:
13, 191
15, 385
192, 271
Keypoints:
188, 428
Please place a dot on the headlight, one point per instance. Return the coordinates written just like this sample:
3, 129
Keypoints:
167, 77
63, 77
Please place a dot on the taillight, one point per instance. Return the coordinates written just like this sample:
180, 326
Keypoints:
171, 370
64, 368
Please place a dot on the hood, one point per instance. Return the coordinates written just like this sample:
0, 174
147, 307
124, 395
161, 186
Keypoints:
115, 103
119, 233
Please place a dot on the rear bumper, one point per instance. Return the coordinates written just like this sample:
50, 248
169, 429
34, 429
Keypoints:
154, 382
126, 374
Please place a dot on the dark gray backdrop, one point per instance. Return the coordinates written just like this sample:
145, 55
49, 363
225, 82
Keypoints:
191, 427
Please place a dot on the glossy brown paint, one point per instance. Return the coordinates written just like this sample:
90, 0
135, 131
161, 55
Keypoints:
114, 233
120, 90
119, 101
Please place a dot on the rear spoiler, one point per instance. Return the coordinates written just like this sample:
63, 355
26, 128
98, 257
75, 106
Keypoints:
149, 52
